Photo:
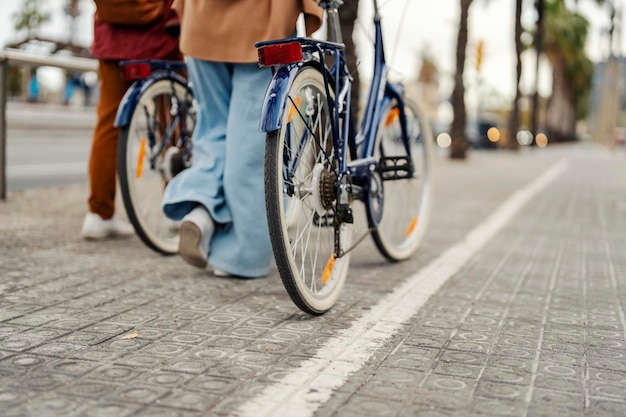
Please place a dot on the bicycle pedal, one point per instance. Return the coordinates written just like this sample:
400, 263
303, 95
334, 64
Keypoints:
395, 167
326, 220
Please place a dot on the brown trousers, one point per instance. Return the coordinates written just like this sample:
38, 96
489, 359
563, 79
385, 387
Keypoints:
103, 157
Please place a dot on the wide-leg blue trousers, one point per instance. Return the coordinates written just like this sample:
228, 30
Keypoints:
226, 175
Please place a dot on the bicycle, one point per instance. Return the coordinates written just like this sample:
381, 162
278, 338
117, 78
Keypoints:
156, 119
317, 164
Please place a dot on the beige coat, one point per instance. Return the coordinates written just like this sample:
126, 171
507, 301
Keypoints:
226, 30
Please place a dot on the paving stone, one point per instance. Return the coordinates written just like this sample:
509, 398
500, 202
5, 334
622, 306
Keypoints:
188, 400
19, 343
604, 407
104, 409
490, 406
463, 358
158, 411
450, 385
549, 398
556, 382
607, 375
454, 369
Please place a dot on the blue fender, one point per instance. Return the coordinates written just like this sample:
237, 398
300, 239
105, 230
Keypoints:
276, 98
131, 98
128, 103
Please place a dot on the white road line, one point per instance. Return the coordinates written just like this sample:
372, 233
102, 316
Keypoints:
34, 170
304, 389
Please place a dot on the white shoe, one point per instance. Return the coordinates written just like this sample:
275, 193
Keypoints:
95, 227
220, 273
195, 232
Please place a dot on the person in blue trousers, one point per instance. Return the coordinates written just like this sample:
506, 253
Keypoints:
220, 198
226, 174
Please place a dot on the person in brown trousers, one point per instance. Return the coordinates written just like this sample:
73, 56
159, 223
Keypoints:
137, 32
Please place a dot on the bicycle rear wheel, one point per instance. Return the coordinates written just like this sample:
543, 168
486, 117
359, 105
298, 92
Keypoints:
152, 149
401, 203
300, 179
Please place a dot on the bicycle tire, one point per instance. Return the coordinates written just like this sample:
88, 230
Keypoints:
403, 206
141, 184
300, 206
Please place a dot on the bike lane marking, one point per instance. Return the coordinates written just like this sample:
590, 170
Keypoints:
304, 389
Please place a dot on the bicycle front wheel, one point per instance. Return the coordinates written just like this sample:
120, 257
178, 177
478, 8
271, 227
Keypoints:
152, 149
400, 200
300, 178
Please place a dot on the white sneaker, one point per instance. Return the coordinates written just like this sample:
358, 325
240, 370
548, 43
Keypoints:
195, 232
220, 273
95, 227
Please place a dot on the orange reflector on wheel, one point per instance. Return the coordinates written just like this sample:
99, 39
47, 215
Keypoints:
392, 116
294, 108
280, 54
411, 227
328, 270
142, 154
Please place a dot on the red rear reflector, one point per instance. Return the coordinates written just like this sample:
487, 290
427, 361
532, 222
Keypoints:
136, 71
280, 54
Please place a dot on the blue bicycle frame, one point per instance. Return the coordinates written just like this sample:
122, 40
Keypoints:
360, 145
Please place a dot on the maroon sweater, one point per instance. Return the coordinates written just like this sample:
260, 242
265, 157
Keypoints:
123, 42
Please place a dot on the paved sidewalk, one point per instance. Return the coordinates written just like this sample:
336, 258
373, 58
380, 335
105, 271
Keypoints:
534, 324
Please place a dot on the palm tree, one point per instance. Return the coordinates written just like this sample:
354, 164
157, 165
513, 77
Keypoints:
458, 148
30, 17
564, 48
543, 7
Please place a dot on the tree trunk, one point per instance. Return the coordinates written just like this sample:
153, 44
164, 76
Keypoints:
514, 120
561, 112
72, 12
458, 149
348, 13
540, 8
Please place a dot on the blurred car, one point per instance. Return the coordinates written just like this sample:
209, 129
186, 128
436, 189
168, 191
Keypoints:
480, 133
483, 133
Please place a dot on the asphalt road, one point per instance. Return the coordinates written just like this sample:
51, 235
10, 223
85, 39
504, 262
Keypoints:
42, 159
47, 145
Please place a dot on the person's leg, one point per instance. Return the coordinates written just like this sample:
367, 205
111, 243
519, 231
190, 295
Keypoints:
202, 183
103, 157
100, 221
243, 249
